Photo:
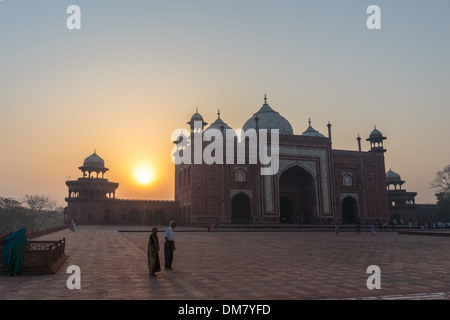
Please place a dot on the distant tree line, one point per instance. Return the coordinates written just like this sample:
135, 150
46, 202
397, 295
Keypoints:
442, 186
34, 212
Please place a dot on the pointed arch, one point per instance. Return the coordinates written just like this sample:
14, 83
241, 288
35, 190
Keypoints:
298, 199
349, 210
241, 209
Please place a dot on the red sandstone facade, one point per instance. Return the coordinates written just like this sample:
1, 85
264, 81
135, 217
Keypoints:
314, 184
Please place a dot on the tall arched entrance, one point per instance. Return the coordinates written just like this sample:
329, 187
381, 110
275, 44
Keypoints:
349, 210
286, 211
240, 209
298, 198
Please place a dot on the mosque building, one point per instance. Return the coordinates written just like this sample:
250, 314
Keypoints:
314, 184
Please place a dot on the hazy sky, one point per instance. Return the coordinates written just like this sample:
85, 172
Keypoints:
136, 71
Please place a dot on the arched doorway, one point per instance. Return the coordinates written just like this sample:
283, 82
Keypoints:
286, 210
240, 209
298, 197
349, 210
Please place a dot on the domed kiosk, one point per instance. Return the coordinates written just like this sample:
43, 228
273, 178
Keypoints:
393, 178
376, 141
93, 164
91, 186
402, 204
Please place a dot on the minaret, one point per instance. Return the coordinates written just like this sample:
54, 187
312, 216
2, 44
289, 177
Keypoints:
329, 131
196, 117
376, 141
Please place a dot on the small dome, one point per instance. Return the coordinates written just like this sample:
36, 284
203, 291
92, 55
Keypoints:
94, 161
218, 124
196, 117
375, 134
311, 132
392, 176
269, 119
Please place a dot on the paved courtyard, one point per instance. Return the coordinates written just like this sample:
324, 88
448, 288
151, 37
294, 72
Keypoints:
225, 265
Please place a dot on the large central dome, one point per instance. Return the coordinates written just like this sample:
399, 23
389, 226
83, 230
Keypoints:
269, 119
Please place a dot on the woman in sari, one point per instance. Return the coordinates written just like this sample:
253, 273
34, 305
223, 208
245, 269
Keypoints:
13, 251
152, 253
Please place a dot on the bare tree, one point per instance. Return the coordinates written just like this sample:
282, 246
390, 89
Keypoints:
43, 208
442, 181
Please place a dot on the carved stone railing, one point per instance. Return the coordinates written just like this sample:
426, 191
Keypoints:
41, 257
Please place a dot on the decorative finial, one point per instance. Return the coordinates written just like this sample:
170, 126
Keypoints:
265, 98
218, 113
94, 151
196, 110
309, 121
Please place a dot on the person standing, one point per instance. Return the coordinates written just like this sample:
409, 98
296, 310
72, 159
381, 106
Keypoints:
13, 251
169, 246
358, 227
153, 253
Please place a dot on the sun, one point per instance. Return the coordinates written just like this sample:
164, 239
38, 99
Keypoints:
144, 175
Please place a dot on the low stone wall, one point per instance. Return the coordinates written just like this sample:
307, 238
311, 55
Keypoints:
34, 234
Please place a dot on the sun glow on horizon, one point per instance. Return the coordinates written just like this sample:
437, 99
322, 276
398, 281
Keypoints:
144, 175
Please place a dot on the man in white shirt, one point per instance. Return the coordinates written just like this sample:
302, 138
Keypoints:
169, 246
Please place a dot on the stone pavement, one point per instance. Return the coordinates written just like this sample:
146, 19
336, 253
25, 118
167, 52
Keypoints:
284, 265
